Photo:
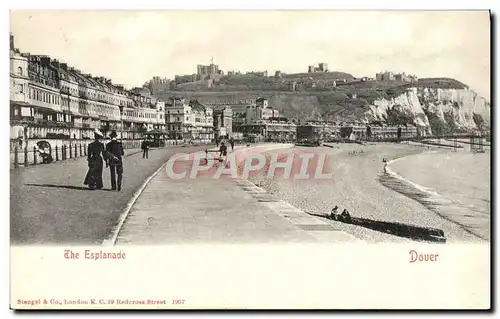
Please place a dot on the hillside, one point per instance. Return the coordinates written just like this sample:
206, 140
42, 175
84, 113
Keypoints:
436, 105
249, 82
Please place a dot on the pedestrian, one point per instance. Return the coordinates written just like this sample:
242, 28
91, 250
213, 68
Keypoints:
114, 152
145, 148
231, 141
217, 142
222, 152
95, 154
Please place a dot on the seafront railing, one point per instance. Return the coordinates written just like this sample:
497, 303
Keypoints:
31, 153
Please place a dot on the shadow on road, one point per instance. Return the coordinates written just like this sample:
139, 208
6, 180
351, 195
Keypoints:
67, 187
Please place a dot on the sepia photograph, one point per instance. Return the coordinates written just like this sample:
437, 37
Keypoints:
266, 153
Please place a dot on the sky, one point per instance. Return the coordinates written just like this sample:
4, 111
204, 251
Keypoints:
130, 47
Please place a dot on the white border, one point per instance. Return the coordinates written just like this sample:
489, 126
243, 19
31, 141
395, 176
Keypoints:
190, 4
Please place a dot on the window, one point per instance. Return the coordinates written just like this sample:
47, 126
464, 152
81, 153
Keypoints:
20, 71
20, 88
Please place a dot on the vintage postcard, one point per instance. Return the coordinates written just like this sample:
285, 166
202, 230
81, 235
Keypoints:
250, 160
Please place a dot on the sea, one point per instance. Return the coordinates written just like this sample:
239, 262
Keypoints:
455, 184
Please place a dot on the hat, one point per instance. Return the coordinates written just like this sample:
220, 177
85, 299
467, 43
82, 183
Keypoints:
97, 132
113, 134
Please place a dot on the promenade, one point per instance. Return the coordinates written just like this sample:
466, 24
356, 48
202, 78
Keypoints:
50, 205
205, 210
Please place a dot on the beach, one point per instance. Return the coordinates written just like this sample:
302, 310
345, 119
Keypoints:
359, 184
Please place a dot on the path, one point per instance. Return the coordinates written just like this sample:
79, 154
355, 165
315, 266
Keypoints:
208, 210
50, 205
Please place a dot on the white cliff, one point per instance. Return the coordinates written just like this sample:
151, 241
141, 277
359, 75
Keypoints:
448, 105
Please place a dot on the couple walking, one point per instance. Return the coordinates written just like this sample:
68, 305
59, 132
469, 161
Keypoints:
112, 156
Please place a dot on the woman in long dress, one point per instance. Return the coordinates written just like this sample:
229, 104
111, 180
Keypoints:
95, 155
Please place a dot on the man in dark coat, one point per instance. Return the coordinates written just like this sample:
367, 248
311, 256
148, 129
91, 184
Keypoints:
114, 152
231, 141
222, 152
145, 148
94, 158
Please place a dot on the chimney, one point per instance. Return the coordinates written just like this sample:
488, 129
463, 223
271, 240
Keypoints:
12, 46
45, 60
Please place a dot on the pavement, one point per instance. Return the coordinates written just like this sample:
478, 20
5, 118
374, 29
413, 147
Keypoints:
208, 210
50, 205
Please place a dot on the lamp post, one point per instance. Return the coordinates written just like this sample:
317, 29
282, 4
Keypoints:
121, 122
25, 135
407, 137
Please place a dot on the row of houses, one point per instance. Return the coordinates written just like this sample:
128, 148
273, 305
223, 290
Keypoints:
50, 99
280, 129
260, 120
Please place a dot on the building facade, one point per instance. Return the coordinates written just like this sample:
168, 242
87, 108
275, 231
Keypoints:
191, 121
391, 76
257, 73
207, 71
223, 121
260, 111
158, 85
322, 67
51, 100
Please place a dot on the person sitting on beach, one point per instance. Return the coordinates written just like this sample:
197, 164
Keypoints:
334, 212
345, 216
